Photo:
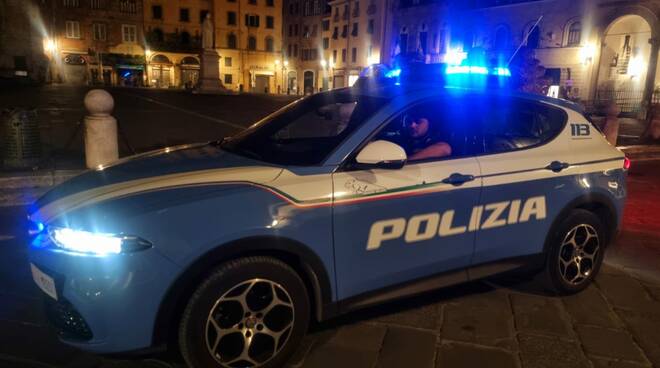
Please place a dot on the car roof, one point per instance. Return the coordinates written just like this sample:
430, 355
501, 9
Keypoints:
399, 90
433, 77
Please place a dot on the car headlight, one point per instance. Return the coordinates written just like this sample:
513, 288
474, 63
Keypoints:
95, 243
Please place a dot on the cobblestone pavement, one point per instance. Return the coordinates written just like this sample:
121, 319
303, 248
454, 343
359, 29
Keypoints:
502, 322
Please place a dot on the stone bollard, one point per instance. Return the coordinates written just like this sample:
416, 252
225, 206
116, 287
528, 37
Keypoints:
100, 130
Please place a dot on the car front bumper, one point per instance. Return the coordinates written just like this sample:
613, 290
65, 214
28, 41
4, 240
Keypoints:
102, 304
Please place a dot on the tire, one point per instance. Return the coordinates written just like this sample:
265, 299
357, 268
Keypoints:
575, 253
275, 321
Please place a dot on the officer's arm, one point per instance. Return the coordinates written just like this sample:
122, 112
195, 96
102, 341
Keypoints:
440, 149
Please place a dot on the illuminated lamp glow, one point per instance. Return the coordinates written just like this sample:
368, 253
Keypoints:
86, 242
626, 163
35, 228
49, 45
394, 73
636, 66
504, 72
373, 59
455, 56
466, 69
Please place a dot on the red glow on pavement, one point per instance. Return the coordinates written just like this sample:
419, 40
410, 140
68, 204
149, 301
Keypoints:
642, 211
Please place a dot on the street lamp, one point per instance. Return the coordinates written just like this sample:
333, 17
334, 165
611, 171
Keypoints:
284, 64
147, 58
49, 45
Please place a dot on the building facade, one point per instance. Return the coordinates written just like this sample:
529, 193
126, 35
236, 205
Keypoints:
248, 38
173, 41
21, 41
94, 41
597, 51
305, 28
356, 33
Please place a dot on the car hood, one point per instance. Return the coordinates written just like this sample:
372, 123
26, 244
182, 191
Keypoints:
170, 167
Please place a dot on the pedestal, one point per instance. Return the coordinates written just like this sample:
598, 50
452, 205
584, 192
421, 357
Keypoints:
209, 76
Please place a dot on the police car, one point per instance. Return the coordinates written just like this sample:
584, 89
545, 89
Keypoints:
338, 201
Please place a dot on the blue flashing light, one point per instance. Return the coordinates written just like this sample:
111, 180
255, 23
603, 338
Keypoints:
479, 70
504, 72
466, 69
394, 73
35, 227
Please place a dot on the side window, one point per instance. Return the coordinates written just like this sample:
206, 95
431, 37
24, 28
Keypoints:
432, 130
323, 122
510, 126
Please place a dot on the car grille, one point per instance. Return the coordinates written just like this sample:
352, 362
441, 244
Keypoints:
68, 321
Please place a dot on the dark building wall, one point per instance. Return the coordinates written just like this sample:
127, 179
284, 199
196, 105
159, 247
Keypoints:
21, 41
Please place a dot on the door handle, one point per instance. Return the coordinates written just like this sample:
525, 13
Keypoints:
557, 166
457, 179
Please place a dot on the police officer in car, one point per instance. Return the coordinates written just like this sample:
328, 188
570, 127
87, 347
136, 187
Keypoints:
422, 141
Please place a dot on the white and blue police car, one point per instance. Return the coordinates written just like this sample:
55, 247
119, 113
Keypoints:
338, 201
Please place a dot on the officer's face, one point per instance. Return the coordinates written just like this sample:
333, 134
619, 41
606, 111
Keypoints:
418, 128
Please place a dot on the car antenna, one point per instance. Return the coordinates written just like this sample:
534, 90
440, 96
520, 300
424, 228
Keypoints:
524, 41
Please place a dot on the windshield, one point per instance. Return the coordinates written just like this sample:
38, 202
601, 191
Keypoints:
305, 132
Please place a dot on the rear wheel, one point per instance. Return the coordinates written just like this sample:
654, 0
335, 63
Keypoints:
576, 253
251, 312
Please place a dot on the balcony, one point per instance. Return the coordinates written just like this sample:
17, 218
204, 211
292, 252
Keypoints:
173, 42
128, 6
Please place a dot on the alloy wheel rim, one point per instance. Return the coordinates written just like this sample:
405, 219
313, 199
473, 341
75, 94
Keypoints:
249, 324
577, 254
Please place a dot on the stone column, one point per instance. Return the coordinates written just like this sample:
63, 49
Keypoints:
101, 145
650, 76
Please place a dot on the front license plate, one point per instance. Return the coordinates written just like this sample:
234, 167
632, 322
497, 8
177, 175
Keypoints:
45, 282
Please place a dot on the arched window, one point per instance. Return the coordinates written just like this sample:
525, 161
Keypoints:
160, 59
534, 37
252, 43
189, 60
231, 41
423, 39
270, 44
403, 41
501, 38
185, 38
158, 35
574, 34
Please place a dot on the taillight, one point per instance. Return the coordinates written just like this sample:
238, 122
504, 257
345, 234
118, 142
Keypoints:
626, 163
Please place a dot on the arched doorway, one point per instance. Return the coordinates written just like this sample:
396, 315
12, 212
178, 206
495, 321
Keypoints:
624, 64
160, 71
292, 83
189, 72
308, 82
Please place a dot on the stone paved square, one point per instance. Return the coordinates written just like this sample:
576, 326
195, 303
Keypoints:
408, 347
610, 343
550, 352
541, 315
482, 319
467, 356
621, 291
590, 307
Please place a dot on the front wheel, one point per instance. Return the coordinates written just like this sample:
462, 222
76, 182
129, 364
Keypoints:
251, 312
575, 254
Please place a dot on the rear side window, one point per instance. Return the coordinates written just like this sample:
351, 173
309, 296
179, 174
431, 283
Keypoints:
510, 125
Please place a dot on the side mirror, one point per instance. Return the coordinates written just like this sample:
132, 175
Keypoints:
381, 155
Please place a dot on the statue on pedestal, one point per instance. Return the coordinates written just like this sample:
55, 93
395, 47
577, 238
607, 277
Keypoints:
207, 33
209, 77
